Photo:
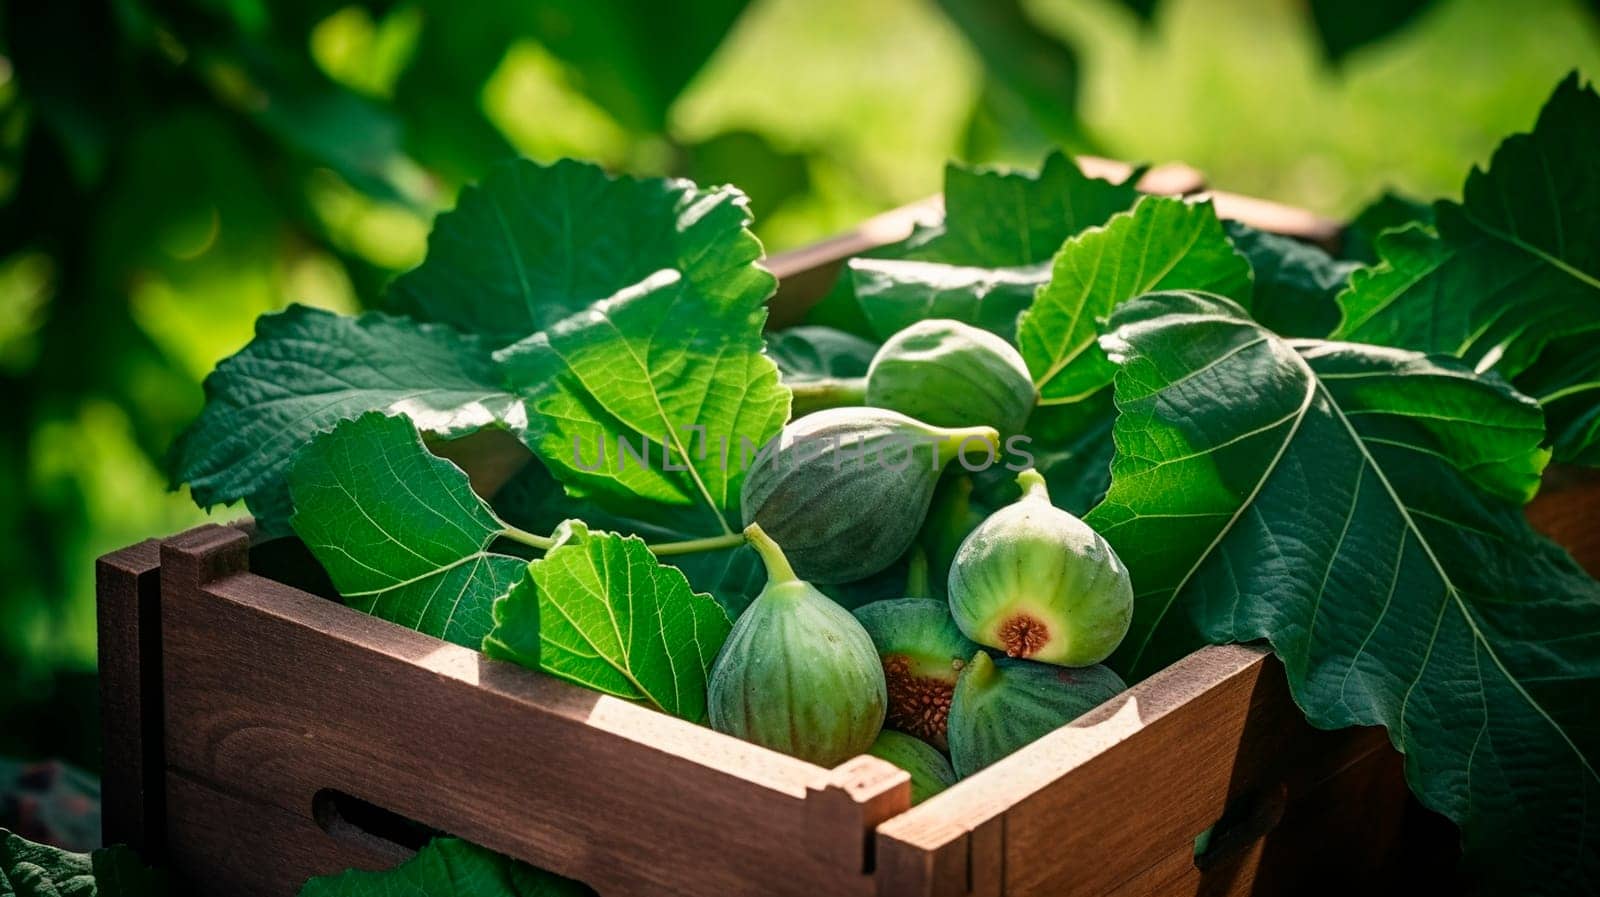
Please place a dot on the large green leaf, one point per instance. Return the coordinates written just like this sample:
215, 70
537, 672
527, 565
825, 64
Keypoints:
996, 219
1359, 508
399, 530
599, 610
1296, 283
533, 244
39, 870
895, 293
1162, 243
1511, 267
305, 371
662, 365
447, 867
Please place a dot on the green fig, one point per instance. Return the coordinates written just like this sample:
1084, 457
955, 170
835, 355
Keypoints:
951, 374
1036, 582
1001, 704
930, 771
845, 491
797, 674
922, 651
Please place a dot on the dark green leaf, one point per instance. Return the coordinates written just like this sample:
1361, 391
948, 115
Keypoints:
1072, 447
1345, 26
1001, 219
1509, 268
1295, 282
305, 371
895, 294
664, 366
1566, 381
1390, 211
400, 531
1163, 243
1359, 507
811, 353
599, 610
448, 868
1024, 61
533, 244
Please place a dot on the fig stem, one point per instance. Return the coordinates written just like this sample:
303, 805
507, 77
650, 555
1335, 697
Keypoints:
917, 575
981, 669
828, 392
1033, 485
661, 549
690, 546
543, 543
778, 569
958, 437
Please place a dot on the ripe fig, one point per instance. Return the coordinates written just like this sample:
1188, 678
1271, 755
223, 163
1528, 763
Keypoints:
952, 374
922, 652
1036, 582
797, 674
1002, 704
845, 490
930, 771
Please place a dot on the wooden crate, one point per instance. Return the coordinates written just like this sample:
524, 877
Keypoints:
258, 733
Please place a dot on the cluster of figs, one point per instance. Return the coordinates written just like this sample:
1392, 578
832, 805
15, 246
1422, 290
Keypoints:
941, 685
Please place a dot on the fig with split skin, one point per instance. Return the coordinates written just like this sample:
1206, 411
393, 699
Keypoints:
952, 374
1036, 582
797, 674
930, 771
1002, 704
845, 491
922, 651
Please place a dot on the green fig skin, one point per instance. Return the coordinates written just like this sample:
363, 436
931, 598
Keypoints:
797, 674
922, 651
1037, 583
930, 772
951, 374
1002, 704
845, 491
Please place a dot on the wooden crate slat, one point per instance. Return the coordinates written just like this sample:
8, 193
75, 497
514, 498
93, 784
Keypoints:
247, 857
275, 694
127, 619
1152, 769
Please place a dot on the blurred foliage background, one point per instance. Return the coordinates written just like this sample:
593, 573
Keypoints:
170, 170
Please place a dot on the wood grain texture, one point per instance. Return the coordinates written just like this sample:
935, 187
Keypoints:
224, 844
1114, 796
274, 694
127, 618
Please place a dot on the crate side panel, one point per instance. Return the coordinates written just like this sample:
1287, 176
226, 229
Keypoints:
1242, 749
274, 695
227, 844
